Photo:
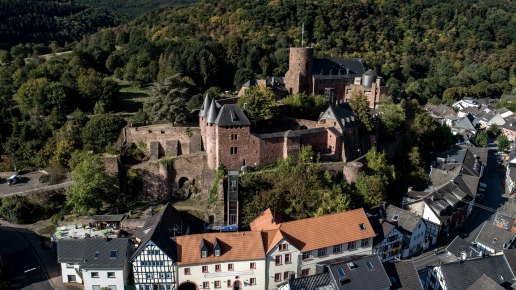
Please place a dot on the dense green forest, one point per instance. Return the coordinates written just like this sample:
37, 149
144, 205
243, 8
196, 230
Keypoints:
128, 9
426, 50
41, 21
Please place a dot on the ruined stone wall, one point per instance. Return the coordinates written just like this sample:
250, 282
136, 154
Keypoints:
111, 163
161, 133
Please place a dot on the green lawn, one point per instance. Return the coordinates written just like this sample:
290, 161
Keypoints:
131, 97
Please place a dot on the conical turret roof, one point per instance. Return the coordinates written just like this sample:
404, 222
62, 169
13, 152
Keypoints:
212, 113
205, 106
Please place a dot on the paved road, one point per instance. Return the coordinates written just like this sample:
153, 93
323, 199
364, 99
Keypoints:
493, 198
19, 257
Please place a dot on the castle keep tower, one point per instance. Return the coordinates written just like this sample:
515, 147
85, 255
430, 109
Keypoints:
203, 113
211, 128
299, 75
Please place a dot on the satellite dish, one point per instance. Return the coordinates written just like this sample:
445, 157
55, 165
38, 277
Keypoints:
463, 256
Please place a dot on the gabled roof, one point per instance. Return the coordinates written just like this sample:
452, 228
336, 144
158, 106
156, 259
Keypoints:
239, 246
459, 246
364, 273
94, 253
341, 113
464, 123
510, 256
320, 281
403, 275
160, 228
495, 237
337, 67
328, 230
406, 220
108, 217
318, 232
266, 221
231, 115
484, 283
461, 275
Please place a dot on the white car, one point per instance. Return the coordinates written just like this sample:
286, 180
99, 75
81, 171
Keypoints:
14, 179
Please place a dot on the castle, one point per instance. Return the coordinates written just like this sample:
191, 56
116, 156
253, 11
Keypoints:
228, 139
334, 78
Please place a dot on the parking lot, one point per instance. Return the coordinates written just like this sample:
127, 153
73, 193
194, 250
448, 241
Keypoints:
29, 181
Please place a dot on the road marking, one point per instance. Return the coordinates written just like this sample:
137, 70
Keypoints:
27, 271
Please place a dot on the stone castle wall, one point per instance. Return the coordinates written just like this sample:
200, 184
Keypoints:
161, 133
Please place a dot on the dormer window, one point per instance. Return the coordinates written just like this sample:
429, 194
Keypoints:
362, 227
216, 248
204, 249
395, 218
113, 254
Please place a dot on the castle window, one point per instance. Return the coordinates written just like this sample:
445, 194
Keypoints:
233, 150
234, 136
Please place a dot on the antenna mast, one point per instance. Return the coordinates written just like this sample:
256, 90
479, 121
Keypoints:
303, 35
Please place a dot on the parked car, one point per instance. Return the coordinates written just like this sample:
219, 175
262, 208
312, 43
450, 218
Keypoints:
14, 179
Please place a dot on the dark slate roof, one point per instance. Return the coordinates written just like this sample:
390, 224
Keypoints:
381, 227
485, 283
342, 113
108, 218
160, 228
205, 106
464, 123
231, 115
459, 245
94, 253
361, 277
337, 67
510, 256
403, 275
461, 275
495, 237
212, 113
406, 220
312, 282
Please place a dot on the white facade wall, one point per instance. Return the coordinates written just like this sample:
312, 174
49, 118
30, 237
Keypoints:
103, 281
310, 264
416, 239
428, 214
70, 269
273, 269
485, 248
241, 271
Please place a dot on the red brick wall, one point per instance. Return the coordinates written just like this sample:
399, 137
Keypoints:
271, 150
318, 141
246, 148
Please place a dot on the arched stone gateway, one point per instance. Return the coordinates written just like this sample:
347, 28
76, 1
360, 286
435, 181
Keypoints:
187, 286
182, 182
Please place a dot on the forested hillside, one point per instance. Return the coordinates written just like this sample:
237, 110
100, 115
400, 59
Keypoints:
130, 8
42, 21
425, 50
422, 48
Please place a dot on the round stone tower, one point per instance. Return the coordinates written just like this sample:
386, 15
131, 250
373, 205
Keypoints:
211, 135
351, 171
203, 113
299, 75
